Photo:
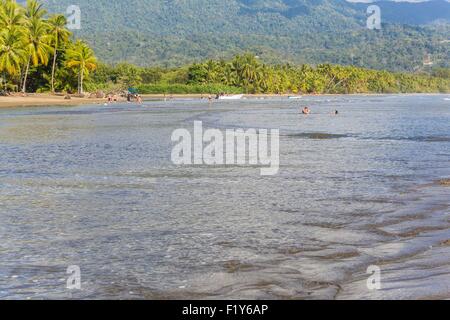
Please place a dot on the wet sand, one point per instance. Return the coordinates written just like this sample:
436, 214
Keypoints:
44, 100
38, 100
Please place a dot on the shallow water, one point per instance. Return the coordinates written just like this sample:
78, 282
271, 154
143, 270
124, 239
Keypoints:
94, 186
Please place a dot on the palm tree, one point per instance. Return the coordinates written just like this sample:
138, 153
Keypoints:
37, 38
60, 34
11, 20
249, 70
34, 10
11, 15
236, 70
82, 59
264, 77
37, 45
12, 53
228, 76
211, 69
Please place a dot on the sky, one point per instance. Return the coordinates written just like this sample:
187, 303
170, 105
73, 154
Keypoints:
369, 1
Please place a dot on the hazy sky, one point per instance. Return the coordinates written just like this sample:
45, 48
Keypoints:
388, 0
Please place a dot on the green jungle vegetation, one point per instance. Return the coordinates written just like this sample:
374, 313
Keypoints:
39, 54
175, 33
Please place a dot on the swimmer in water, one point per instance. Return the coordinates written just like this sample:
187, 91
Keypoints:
306, 111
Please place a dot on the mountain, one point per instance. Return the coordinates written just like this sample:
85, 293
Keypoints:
421, 13
176, 32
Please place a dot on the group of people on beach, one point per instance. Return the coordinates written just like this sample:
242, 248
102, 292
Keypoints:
135, 97
113, 98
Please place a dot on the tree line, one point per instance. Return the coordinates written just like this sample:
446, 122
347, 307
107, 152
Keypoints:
38, 53
246, 73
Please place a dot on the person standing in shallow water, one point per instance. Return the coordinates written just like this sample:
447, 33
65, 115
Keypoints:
306, 111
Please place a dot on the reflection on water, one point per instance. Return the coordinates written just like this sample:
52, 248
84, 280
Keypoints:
94, 186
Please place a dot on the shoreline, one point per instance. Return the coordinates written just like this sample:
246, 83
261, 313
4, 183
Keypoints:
41, 100
49, 100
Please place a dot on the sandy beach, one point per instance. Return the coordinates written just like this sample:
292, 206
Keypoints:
44, 100
58, 100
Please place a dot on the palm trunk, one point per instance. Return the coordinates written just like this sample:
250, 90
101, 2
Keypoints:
22, 71
78, 84
53, 69
24, 88
4, 81
81, 81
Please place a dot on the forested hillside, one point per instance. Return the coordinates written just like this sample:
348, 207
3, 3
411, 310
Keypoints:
177, 32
